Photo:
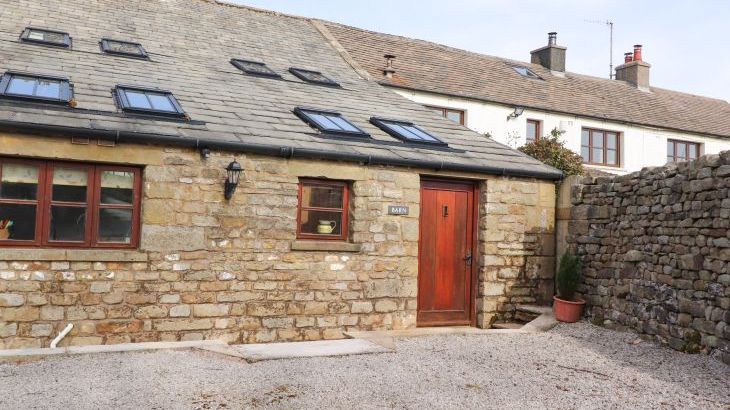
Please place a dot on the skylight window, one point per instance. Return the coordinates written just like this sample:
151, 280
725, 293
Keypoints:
329, 122
33, 87
50, 37
254, 68
124, 48
314, 77
526, 72
405, 131
148, 101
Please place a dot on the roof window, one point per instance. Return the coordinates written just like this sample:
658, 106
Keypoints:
254, 68
124, 48
329, 122
147, 101
314, 77
35, 87
42, 36
526, 72
405, 131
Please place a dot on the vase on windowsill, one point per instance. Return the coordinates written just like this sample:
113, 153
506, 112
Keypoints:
4, 234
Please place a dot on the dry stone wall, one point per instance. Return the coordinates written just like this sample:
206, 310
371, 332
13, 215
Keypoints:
212, 269
655, 245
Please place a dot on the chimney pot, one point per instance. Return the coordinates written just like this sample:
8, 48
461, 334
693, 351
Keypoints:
389, 70
628, 57
552, 38
637, 52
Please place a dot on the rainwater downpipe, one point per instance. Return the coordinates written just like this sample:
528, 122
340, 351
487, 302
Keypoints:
61, 335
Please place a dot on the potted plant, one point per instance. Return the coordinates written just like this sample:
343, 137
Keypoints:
566, 307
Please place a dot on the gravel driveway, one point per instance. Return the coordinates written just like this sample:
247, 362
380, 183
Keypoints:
572, 366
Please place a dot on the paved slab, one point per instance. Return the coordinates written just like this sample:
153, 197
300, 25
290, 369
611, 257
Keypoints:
122, 347
342, 347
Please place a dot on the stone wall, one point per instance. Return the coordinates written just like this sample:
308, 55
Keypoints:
655, 246
208, 268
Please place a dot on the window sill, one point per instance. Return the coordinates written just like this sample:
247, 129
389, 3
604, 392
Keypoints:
72, 255
325, 246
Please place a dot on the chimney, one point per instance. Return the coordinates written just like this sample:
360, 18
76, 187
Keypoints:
551, 56
634, 70
389, 70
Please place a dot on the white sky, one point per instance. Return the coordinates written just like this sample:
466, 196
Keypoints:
686, 42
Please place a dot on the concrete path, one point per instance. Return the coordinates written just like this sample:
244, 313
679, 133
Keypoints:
342, 347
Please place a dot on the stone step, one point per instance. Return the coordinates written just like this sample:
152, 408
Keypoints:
507, 325
534, 309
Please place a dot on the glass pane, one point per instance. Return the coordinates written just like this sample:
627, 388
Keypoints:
598, 155
693, 151
322, 196
584, 138
117, 187
323, 122
55, 37
17, 222
610, 140
115, 225
346, 126
531, 130
137, 100
36, 35
584, 152
18, 181
121, 47
21, 86
670, 149
681, 151
597, 139
454, 116
611, 157
161, 102
69, 184
48, 89
670, 159
67, 224
422, 135
321, 222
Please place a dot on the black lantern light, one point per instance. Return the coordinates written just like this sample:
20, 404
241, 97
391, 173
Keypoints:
233, 171
516, 113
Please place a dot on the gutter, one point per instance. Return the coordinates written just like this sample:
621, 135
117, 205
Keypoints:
273, 150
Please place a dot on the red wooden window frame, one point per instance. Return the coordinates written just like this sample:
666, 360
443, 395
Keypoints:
345, 226
605, 148
44, 202
538, 130
445, 111
674, 157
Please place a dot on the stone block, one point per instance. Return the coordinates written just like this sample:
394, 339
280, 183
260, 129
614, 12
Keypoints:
20, 314
11, 299
167, 238
180, 311
119, 326
182, 324
210, 310
385, 306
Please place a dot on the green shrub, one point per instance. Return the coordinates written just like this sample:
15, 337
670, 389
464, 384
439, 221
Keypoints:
550, 150
568, 276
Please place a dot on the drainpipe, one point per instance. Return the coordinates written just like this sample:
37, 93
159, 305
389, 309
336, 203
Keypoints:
61, 335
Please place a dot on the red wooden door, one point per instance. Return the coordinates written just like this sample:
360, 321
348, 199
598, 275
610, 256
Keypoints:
446, 254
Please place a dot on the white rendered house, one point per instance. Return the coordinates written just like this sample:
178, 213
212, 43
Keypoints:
618, 126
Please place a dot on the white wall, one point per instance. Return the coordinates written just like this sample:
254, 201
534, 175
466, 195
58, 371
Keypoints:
640, 146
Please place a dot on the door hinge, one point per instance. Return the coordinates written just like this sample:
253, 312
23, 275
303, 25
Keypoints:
468, 258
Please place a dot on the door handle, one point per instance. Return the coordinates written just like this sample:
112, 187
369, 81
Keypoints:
468, 258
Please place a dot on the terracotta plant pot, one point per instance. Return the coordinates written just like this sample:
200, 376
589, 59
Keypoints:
567, 310
4, 234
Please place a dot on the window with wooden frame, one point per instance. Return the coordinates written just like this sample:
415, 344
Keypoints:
533, 130
679, 151
323, 209
454, 115
600, 147
65, 204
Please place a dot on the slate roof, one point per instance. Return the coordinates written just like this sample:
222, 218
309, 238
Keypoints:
427, 66
190, 43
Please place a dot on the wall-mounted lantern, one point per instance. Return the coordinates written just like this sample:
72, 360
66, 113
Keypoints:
517, 112
233, 173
